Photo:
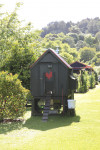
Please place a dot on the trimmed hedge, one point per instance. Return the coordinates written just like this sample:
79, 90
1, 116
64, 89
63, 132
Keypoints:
83, 82
12, 96
92, 80
86, 80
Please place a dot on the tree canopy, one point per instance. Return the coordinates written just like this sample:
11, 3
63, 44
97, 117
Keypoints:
21, 45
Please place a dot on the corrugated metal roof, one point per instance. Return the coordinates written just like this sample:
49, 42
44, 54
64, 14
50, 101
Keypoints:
55, 54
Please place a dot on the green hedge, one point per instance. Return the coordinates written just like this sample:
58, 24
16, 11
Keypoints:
92, 80
86, 80
12, 96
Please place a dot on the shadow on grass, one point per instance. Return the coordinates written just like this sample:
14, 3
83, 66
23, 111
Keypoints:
7, 127
35, 122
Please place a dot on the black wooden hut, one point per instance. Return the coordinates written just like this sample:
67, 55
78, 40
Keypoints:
52, 83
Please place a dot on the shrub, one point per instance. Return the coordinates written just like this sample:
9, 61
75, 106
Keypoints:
12, 96
96, 77
92, 80
83, 82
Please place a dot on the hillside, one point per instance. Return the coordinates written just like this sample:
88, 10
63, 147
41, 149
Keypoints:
86, 26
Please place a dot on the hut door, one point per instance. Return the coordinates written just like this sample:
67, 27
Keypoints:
49, 78
49, 82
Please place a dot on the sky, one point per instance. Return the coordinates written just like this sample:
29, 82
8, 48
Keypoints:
42, 12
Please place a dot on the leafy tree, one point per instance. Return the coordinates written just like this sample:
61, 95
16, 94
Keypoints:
97, 37
65, 47
87, 53
75, 36
69, 40
56, 27
81, 44
96, 59
51, 44
67, 57
74, 29
81, 37
19, 46
74, 53
90, 40
83, 25
94, 26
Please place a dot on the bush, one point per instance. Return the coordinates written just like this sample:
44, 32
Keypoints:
86, 80
92, 80
12, 96
83, 82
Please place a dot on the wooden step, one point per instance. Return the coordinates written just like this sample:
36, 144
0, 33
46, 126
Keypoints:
45, 117
46, 109
45, 114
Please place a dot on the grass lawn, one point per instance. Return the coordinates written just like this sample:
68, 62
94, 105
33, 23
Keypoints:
81, 132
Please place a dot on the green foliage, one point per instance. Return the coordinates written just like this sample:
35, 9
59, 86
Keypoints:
75, 36
67, 57
12, 96
97, 69
98, 58
69, 40
89, 26
96, 77
86, 80
90, 40
81, 44
81, 131
19, 46
65, 47
19, 62
87, 53
83, 82
74, 53
92, 80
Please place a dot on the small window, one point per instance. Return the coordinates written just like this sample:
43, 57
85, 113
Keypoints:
50, 66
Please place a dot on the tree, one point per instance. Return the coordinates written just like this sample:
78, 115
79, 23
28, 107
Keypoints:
75, 29
69, 40
65, 47
75, 36
81, 44
97, 37
90, 40
19, 46
74, 53
87, 53
97, 58
68, 58
94, 26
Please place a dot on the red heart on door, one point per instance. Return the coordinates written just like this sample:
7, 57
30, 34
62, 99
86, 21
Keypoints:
48, 75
